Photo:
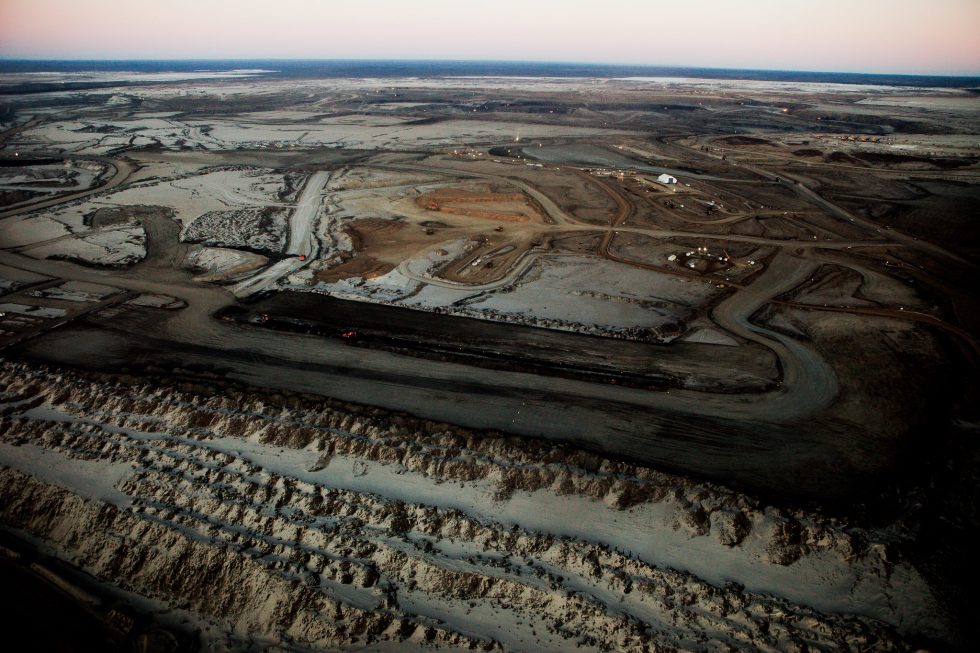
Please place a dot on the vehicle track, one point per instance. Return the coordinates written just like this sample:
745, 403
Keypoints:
688, 429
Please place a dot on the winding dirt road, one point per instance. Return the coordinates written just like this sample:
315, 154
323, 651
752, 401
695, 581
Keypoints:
121, 167
682, 429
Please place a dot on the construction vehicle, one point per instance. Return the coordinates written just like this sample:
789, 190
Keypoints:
349, 336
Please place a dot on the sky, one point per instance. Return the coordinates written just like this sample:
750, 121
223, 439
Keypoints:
875, 36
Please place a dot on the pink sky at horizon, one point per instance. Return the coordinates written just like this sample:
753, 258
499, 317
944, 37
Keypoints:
877, 36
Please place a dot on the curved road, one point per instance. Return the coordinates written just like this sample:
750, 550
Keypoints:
685, 429
122, 170
807, 193
192, 326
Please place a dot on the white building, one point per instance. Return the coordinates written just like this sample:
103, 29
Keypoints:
667, 179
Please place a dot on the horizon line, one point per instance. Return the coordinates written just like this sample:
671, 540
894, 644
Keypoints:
595, 64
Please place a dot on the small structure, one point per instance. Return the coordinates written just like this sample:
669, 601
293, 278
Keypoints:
667, 179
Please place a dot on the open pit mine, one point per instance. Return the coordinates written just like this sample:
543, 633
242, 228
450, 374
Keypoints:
330, 363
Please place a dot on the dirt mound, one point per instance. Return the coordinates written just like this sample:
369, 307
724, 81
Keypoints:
842, 157
454, 201
258, 229
9, 197
363, 266
745, 140
112, 215
909, 160
376, 226
367, 232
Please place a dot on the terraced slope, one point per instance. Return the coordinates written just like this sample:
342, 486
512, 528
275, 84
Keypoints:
305, 524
